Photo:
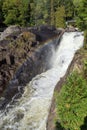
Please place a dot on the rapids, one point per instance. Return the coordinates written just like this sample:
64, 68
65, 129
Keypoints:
30, 112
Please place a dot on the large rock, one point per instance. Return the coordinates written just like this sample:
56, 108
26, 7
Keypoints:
71, 29
28, 36
9, 31
45, 32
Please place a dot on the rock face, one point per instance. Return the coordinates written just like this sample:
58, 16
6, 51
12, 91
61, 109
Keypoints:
18, 44
71, 29
9, 31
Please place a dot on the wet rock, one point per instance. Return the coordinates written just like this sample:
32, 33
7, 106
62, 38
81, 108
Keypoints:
44, 32
59, 30
70, 29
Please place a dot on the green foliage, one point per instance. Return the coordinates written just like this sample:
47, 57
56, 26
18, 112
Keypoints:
52, 13
41, 12
37, 12
76, 2
82, 15
85, 68
85, 39
1, 13
64, 10
72, 102
69, 8
60, 17
16, 12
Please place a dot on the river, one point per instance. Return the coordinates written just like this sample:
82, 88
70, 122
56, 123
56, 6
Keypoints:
30, 112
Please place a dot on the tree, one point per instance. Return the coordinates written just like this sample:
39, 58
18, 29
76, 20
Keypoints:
1, 13
72, 102
69, 7
60, 17
52, 13
32, 12
41, 12
16, 12
82, 15
25, 12
77, 3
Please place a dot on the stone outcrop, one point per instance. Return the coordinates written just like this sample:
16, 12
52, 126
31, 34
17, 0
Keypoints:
71, 29
10, 30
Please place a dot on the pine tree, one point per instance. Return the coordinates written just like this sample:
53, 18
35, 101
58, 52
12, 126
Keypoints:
16, 12
60, 17
52, 13
1, 13
72, 102
69, 8
82, 15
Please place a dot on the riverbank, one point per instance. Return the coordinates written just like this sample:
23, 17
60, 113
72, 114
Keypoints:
76, 65
35, 102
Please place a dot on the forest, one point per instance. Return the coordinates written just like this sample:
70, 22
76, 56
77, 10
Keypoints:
52, 12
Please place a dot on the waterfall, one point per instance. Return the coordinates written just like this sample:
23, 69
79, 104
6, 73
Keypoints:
30, 112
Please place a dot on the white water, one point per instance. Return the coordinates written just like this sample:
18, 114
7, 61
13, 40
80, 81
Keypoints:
31, 111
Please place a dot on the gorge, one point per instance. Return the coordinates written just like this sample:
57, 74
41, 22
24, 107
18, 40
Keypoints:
30, 111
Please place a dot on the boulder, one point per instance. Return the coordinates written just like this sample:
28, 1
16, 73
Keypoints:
70, 29
28, 36
8, 31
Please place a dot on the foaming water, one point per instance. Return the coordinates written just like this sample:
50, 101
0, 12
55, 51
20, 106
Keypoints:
30, 112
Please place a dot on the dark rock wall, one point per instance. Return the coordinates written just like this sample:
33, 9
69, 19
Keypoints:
38, 62
19, 60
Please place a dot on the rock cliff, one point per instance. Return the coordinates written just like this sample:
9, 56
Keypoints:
17, 44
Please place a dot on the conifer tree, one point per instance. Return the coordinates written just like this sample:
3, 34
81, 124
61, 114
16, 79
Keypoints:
16, 12
1, 13
72, 102
52, 13
82, 15
60, 17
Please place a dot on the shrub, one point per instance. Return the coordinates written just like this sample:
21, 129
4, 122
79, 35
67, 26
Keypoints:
71, 102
